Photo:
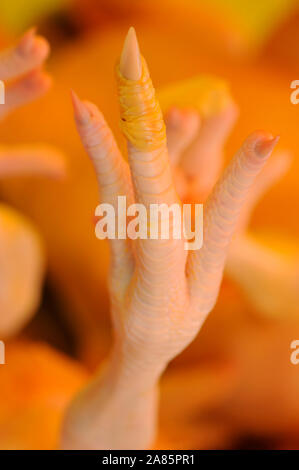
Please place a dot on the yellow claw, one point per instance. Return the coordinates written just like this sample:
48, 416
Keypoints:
141, 117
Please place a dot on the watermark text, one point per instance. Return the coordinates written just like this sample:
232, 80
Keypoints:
2, 92
157, 222
2, 353
294, 97
295, 354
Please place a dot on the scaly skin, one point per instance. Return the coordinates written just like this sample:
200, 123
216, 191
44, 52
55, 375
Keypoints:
266, 268
196, 148
267, 276
160, 294
22, 258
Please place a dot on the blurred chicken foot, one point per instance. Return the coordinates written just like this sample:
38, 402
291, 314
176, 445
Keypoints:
34, 159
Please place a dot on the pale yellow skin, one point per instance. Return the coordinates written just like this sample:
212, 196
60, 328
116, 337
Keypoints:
22, 257
160, 293
268, 275
21, 70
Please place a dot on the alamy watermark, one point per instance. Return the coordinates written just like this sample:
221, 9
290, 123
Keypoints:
2, 92
158, 222
295, 354
2, 353
294, 97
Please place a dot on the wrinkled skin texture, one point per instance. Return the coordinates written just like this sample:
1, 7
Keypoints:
160, 293
181, 390
255, 338
267, 274
78, 250
282, 117
266, 268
